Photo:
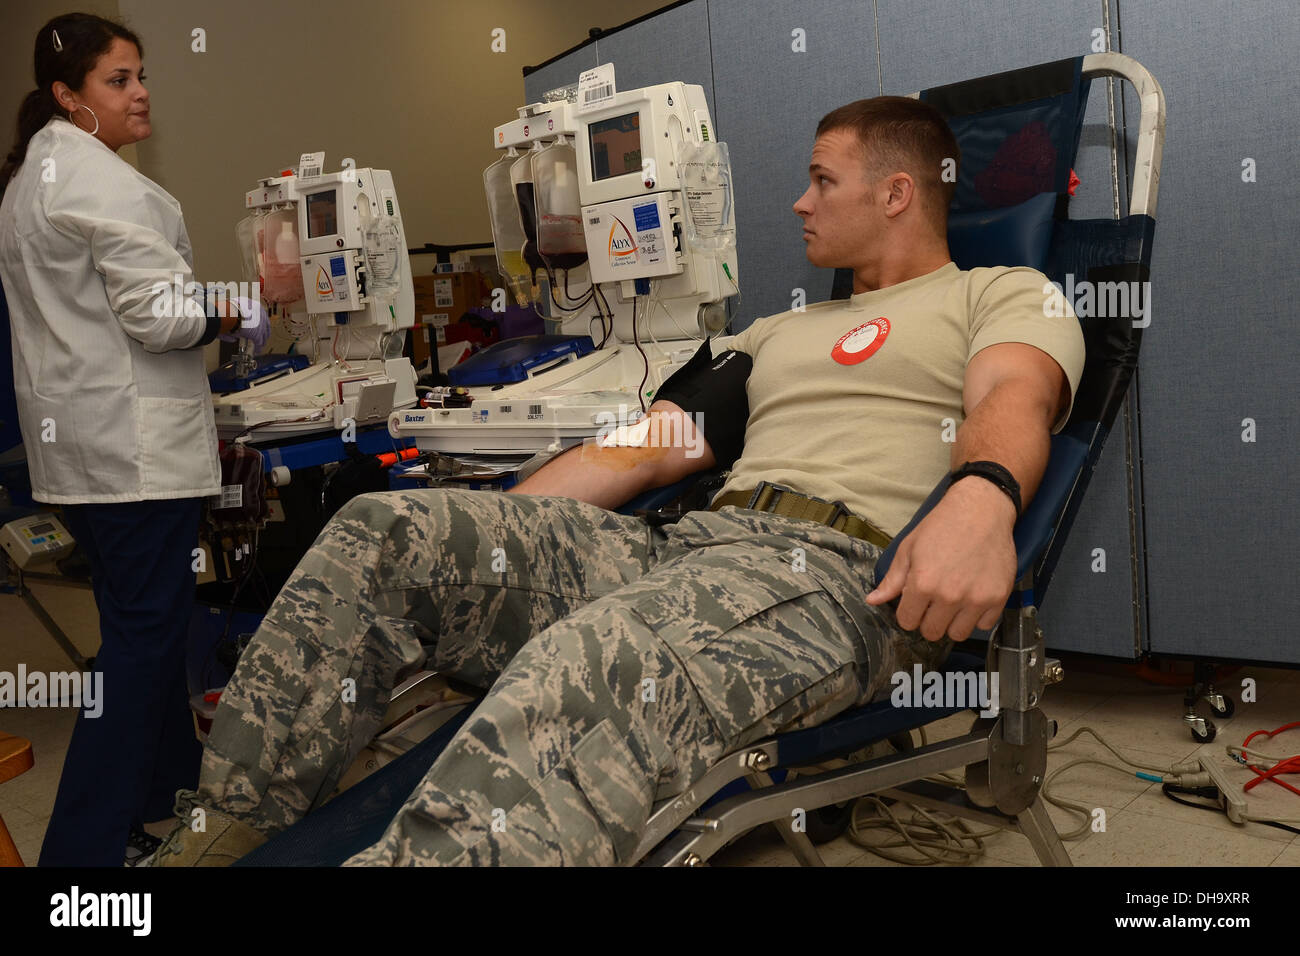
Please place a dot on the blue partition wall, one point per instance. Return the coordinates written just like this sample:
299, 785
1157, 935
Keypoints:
1223, 538
1184, 541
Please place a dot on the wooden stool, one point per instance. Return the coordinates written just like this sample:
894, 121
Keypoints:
15, 758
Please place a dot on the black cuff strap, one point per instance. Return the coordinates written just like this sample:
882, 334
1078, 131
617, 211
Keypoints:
714, 389
209, 333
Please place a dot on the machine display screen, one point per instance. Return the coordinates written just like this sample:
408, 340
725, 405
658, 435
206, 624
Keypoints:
615, 146
45, 528
322, 214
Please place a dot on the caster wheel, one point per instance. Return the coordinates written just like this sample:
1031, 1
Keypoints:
1204, 736
1228, 708
827, 823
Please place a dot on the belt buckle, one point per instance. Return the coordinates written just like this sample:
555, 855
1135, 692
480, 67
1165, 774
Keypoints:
839, 512
766, 494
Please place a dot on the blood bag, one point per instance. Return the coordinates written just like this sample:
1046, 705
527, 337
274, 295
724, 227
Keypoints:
281, 272
560, 237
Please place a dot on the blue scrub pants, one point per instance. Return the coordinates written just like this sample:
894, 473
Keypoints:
125, 766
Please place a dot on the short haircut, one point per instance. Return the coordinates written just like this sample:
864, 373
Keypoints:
900, 134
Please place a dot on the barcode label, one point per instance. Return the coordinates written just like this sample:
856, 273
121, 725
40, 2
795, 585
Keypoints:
534, 412
232, 496
507, 409
310, 165
596, 87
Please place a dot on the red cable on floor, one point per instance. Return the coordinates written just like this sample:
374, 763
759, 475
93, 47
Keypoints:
1288, 765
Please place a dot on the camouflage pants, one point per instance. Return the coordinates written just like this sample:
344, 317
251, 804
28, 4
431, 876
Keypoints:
621, 662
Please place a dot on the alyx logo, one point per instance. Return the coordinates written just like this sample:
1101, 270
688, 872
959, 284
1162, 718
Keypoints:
74, 909
323, 284
623, 245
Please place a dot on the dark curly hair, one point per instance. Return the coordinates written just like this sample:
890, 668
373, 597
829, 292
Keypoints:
83, 39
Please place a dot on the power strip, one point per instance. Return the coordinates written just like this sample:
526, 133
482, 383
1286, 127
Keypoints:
1231, 798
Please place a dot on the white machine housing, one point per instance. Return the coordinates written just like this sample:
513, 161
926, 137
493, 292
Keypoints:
36, 539
640, 202
369, 378
330, 224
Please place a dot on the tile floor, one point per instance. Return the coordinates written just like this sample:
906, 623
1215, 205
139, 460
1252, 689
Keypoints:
1143, 828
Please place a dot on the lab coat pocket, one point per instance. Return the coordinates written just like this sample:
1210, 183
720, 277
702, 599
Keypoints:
83, 447
177, 447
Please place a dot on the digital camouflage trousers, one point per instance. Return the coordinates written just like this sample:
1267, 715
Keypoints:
620, 662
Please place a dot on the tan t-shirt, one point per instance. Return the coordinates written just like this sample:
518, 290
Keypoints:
858, 400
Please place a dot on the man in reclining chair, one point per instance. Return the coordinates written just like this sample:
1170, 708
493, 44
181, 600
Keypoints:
623, 660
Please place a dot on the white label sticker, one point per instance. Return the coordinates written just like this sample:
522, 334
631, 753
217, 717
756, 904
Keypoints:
311, 165
444, 296
232, 496
596, 87
706, 204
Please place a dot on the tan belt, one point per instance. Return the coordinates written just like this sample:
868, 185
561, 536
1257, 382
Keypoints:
782, 501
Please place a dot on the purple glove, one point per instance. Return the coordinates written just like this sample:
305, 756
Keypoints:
254, 324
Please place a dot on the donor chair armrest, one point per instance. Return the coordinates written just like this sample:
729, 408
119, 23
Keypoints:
1039, 522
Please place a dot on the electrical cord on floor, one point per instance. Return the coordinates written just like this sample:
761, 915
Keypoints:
1272, 766
1185, 778
933, 836
943, 838
936, 837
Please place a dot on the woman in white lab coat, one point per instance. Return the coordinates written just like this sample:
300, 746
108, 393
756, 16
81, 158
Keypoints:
115, 413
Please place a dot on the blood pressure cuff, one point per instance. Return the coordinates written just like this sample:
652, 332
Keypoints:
714, 390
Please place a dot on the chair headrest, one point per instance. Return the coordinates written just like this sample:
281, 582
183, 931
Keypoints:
1018, 235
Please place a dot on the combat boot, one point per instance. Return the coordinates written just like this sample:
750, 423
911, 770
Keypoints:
221, 842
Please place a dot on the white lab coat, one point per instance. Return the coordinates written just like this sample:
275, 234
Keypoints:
113, 401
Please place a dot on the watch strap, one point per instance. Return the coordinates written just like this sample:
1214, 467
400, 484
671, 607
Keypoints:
992, 471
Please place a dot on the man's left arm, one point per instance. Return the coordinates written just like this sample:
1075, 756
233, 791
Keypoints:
957, 567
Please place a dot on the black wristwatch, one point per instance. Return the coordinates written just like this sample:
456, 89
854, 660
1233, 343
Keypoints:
995, 473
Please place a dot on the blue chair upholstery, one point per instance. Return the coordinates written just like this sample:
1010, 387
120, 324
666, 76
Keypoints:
1012, 236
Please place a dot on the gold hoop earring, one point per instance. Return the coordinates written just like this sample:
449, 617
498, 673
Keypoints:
83, 106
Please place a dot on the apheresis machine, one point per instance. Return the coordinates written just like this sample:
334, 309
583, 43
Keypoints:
612, 215
329, 252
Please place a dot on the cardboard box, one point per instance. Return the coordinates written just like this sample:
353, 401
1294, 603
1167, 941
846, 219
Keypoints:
440, 300
453, 294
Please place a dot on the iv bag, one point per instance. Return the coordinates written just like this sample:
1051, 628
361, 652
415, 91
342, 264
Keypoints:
246, 233
507, 233
705, 171
560, 238
382, 245
521, 179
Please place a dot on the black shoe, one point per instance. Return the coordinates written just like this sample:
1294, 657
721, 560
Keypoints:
140, 846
